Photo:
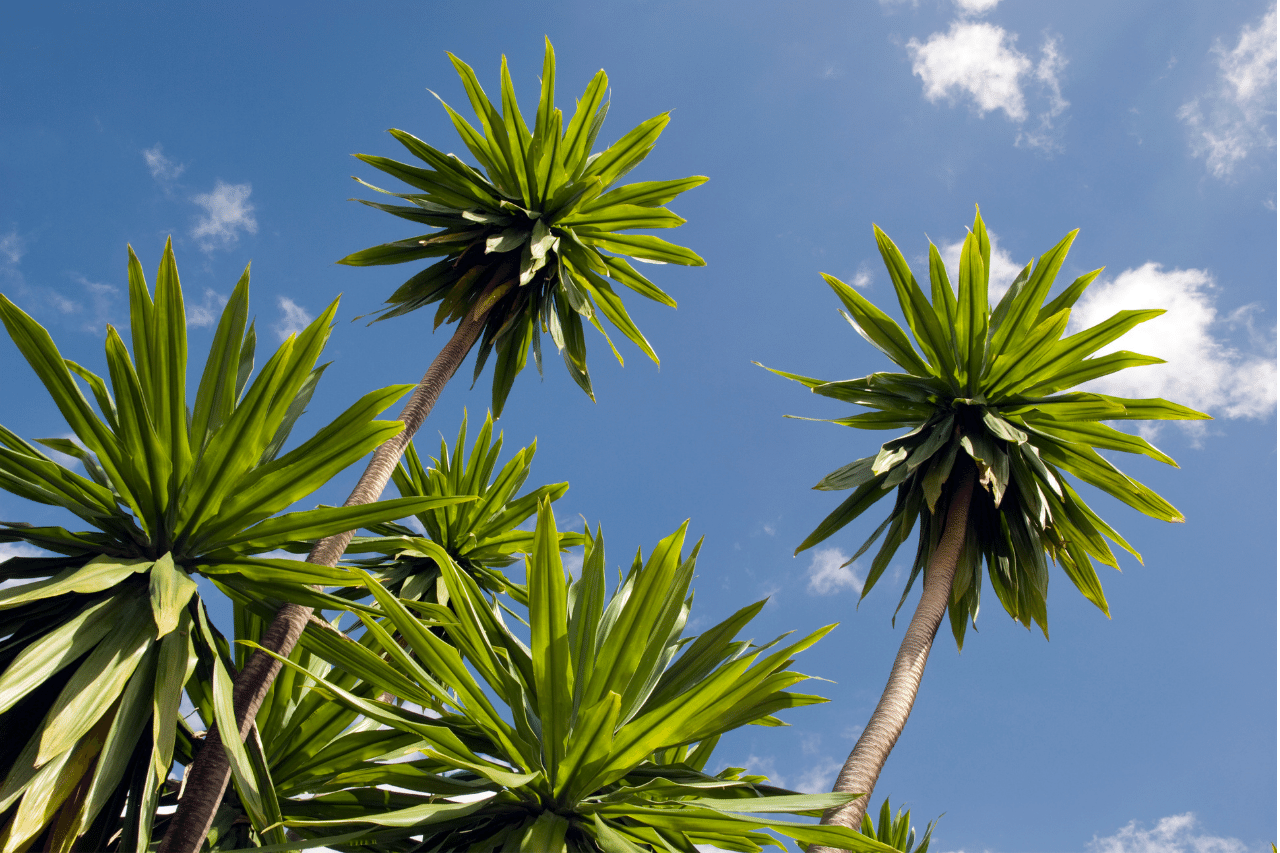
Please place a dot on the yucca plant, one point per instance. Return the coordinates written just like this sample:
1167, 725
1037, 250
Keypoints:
100, 641
595, 735
994, 429
896, 830
528, 242
482, 537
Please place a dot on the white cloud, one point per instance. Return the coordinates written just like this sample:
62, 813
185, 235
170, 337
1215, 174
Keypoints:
818, 777
64, 459
12, 248
573, 562
1004, 269
764, 766
294, 318
206, 313
227, 213
1173, 834
972, 59
976, 7
1240, 112
162, 168
18, 549
1048, 69
102, 298
979, 60
828, 573
63, 304
101, 302
863, 277
1204, 371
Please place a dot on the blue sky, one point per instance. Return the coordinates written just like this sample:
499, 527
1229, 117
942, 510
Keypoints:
1148, 125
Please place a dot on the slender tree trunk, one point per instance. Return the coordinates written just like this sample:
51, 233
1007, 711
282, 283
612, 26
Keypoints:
209, 773
862, 768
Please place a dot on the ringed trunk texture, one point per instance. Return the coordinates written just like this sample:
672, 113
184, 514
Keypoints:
207, 777
862, 768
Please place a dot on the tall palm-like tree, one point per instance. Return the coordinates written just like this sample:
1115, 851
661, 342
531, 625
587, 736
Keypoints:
993, 428
100, 641
528, 242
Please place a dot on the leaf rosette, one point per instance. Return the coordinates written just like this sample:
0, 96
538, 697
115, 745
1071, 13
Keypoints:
532, 239
991, 388
595, 735
101, 640
482, 536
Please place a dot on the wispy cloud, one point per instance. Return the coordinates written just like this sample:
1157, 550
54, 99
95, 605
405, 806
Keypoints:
206, 312
572, 562
227, 213
65, 460
12, 248
1173, 834
1236, 119
96, 305
818, 777
980, 62
758, 765
976, 7
863, 277
1048, 69
293, 318
829, 575
1204, 369
1004, 269
18, 549
163, 169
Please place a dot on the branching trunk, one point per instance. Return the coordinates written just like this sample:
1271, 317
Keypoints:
209, 773
862, 768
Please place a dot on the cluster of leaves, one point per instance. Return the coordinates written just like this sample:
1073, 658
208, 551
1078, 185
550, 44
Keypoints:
896, 830
596, 733
482, 536
531, 241
101, 641
988, 389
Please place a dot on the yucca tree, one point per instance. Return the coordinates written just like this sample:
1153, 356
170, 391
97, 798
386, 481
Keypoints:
482, 536
527, 242
100, 642
595, 735
994, 429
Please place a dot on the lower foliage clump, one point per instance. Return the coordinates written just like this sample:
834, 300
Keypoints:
595, 735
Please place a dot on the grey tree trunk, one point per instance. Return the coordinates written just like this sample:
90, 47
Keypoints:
862, 768
209, 773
